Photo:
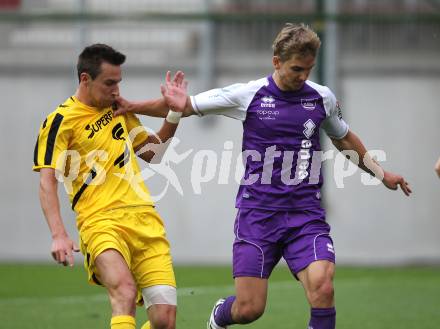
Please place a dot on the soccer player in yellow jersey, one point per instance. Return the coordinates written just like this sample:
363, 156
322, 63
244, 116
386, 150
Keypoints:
122, 236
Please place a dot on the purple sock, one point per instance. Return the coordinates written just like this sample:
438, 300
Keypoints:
223, 315
322, 318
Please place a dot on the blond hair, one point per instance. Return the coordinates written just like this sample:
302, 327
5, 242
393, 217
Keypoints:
296, 39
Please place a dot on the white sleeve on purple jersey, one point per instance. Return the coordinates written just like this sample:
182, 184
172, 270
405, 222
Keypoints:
333, 125
231, 101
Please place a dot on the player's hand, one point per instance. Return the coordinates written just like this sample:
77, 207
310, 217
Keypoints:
174, 91
62, 250
393, 181
122, 106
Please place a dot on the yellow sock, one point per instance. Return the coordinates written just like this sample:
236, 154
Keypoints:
146, 325
123, 322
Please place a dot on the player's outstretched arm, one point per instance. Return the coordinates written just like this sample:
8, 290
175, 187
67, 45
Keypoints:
153, 107
175, 94
437, 167
62, 246
351, 142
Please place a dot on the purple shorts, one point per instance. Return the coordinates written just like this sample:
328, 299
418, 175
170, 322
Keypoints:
262, 237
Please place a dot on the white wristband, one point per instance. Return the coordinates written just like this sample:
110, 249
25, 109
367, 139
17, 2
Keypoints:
173, 117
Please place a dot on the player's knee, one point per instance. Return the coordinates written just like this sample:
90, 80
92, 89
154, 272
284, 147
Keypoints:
323, 293
123, 298
163, 320
161, 301
249, 312
327, 291
125, 291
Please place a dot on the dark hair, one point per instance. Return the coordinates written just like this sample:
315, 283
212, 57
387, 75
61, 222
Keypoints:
295, 39
91, 58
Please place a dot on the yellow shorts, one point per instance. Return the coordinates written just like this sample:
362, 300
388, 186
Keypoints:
138, 234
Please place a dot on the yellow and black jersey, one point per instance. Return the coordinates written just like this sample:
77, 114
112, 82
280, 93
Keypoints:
92, 152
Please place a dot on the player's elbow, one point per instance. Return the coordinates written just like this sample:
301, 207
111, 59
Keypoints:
150, 156
46, 189
157, 156
340, 144
147, 156
349, 142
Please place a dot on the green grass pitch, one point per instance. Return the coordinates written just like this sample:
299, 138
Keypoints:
49, 297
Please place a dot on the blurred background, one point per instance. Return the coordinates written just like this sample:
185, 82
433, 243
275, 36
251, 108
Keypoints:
381, 59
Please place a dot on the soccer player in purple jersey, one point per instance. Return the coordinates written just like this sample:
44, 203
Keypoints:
279, 209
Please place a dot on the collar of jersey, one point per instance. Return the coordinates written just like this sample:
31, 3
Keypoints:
282, 93
87, 107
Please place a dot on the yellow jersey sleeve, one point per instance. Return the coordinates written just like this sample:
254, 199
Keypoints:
52, 141
136, 130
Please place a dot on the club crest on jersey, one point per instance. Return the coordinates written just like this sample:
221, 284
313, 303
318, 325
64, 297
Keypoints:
117, 132
308, 104
267, 101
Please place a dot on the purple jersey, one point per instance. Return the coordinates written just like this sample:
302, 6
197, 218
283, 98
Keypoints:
281, 148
